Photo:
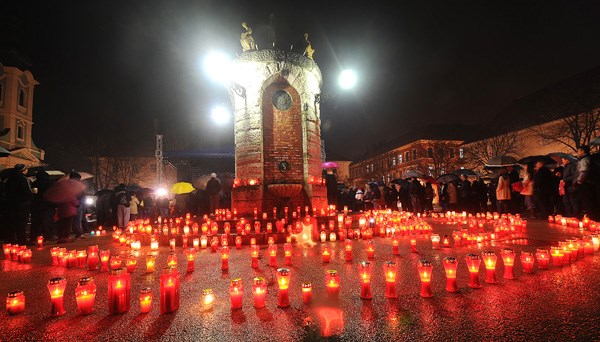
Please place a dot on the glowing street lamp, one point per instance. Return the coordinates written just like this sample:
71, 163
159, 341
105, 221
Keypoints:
217, 66
220, 115
347, 79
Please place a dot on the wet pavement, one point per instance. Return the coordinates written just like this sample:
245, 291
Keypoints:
556, 304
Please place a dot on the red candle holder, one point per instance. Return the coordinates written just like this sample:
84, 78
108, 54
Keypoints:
26, 256
332, 283
413, 245
104, 258
254, 250
150, 262
307, 293
508, 258
489, 260
370, 250
172, 244
395, 246
287, 251
92, 260
214, 244
190, 256
145, 300
557, 256
6, 248
446, 241
543, 259
272, 250
326, 254
172, 260
473, 263
115, 262
283, 279
224, 258
40, 241
425, 268
15, 302
85, 295
119, 291
131, 263
238, 242
236, 292
435, 241
527, 261
56, 287
390, 269
72, 259
169, 290
364, 271
450, 265
203, 241
259, 292
348, 250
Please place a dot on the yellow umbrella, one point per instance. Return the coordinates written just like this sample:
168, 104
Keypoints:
182, 188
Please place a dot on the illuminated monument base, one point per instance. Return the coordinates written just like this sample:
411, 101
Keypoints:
275, 97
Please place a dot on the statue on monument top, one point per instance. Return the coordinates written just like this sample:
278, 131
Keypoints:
246, 38
308, 51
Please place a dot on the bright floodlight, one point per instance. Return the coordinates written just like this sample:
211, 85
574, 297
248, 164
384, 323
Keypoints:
220, 115
347, 79
217, 66
161, 192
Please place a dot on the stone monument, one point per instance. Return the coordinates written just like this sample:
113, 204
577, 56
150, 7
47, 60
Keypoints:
275, 97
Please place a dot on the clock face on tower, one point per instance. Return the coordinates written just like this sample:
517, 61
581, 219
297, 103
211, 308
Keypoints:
284, 166
282, 100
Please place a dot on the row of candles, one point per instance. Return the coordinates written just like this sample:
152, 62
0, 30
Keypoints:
571, 222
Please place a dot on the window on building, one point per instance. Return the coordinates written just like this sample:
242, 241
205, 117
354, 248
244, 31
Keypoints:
407, 156
20, 132
429, 152
394, 161
414, 154
400, 158
461, 153
372, 169
452, 153
21, 98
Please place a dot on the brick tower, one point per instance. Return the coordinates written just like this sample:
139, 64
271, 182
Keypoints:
275, 98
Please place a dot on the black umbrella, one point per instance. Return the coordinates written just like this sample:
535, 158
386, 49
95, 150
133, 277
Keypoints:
466, 172
566, 156
413, 174
402, 182
501, 161
534, 159
448, 177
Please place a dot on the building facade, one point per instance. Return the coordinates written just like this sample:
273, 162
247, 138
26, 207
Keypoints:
16, 118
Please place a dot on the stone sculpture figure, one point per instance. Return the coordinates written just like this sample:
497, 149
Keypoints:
308, 51
246, 38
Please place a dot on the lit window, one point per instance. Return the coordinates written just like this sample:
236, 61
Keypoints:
461, 153
400, 158
21, 98
393, 160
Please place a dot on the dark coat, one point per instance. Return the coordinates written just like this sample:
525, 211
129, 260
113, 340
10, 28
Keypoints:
213, 186
542, 181
18, 189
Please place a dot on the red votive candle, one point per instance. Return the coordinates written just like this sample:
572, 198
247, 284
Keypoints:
435, 241
172, 259
508, 258
169, 290
85, 294
272, 249
7, 248
92, 260
53, 254
172, 244
56, 287
326, 254
190, 255
489, 260
413, 245
557, 256
238, 242
390, 269
259, 292
214, 244
446, 241
348, 250
527, 261
364, 271
543, 258
287, 251
283, 278
115, 262
119, 290
332, 283
450, 266
254, 250
473, 263
145, 300
425, 268
104, 257
15, 302
224, 258
72, 259
150, 262
395, 246
236, 292
307, 293
40, 241
26, 256
370, 250
131, 263
196, 244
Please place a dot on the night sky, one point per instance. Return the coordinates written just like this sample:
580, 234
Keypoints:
111, 72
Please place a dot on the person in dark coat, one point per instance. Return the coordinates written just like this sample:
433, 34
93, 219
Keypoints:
429, 196
568, 191
415, 191
542, 190
584, 183
19, 197
332, 189
464, 193
213, 188
42, 211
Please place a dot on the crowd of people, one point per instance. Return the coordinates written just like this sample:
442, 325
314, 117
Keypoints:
571, 188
